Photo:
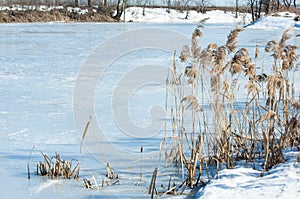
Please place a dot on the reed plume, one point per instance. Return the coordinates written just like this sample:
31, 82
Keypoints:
231, 43
285, 36
256, 52
220, 58
198, 32
270, 46
192, 102
191, 72
289, 57
240, 61
185, 53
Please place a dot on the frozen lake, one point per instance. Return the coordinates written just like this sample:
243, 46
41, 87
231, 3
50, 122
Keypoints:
39, 66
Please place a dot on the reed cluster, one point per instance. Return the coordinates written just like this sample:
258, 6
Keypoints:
208, 126
55, 167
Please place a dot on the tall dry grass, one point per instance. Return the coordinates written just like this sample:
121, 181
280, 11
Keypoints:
209, 127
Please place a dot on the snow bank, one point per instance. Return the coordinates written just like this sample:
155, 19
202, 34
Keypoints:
283, 181
160, 15
281, 21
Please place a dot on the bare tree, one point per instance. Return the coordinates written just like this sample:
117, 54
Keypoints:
202, 6
169, 5
252, 7
90, 3
186, 4
57, 2
275, 5
266, 5
287, 3
144, 6
120, 7
236, 8
257, 7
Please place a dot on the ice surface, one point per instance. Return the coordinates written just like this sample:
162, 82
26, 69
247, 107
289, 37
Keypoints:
39, 64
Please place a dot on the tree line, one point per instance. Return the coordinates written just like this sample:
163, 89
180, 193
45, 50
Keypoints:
258, 7
255, 7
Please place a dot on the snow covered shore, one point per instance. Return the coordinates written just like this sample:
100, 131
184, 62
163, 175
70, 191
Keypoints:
160, 15
283, 181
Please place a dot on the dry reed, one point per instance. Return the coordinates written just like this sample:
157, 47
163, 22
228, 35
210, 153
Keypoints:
222, 133
55, 167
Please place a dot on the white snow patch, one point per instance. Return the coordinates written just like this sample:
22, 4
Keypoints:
283, 181
18, 133
280, 21
160, 15
78, 10
43, 186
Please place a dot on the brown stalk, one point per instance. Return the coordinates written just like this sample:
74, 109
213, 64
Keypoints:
85, 131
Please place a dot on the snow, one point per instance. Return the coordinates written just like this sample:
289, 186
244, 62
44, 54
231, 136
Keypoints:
17, 7
39, 64
160, 15
280, 21
77, 10
283, 181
